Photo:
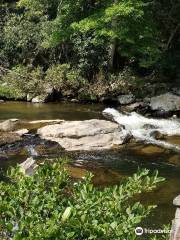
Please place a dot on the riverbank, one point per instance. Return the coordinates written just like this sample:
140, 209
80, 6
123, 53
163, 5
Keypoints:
159, 106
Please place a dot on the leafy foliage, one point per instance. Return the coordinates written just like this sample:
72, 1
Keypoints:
22, 39
23, 80
48, 205
92, 37
129, 24
63, 78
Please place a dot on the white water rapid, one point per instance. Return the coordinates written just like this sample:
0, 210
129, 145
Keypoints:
32, 151
142, 128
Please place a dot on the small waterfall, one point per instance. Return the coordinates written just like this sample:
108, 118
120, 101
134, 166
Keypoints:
32, 151
142, 128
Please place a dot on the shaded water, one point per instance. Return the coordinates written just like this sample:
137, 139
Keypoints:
109, 167
38, 111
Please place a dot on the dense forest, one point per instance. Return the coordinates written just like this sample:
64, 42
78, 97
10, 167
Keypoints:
88, 49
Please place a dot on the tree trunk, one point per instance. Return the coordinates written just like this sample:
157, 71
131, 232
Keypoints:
112, 48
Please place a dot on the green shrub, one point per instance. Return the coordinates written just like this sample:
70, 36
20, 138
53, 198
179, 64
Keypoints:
7, 92
49, 205
22, 80
125, 81
62, 77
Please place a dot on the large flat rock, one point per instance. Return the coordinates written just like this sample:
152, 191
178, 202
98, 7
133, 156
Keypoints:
85, 135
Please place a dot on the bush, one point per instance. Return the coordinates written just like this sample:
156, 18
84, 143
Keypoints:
21, 38
125, 82
6, 92
23, 80
63, 78
49, 205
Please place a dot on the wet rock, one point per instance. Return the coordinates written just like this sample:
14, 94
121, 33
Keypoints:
9, 125
149, 126
162, 114
135, 106
165, 102
1, 101
157, 135
126, 99
85, 135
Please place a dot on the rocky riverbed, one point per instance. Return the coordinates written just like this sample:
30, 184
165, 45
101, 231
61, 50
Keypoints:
90, 135
25, 135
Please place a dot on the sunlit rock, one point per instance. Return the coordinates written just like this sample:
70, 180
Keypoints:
85, 135
126, 99
9, 137
21, 132
9, 125
165, 102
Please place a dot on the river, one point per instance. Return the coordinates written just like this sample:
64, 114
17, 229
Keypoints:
109, 167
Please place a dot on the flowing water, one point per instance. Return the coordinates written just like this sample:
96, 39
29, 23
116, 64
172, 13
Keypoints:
109, 167
143, 129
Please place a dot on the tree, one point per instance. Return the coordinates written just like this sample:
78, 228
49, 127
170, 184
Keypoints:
128, 23
168, 20
22, 39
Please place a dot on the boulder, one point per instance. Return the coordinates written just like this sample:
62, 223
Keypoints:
74, 100
134, 106
162, 114
109, 100
9, 137
85, 135
47, 95
1, 101
126, 99
40, 99
9, 125
165, 102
